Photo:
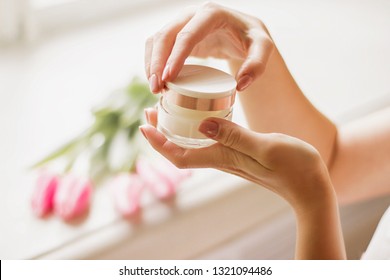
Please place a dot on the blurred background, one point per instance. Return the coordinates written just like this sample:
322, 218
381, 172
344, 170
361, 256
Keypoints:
59, 58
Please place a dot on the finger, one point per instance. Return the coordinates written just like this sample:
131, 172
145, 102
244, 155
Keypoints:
148, 55
215, 156
200, 25
237, 138
162, 45
258, 54
151, 116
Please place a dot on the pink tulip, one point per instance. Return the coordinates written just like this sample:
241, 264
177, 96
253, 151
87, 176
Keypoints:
157, 184
43, 195
126, 189
168, 170
73, 196
161, 178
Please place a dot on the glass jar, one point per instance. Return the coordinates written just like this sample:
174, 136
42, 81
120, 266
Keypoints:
199, 92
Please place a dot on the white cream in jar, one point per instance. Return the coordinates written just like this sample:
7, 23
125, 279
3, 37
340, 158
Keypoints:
199, 92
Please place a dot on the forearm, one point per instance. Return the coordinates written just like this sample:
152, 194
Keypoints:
319, 234
361, 166
275, 103
357, 154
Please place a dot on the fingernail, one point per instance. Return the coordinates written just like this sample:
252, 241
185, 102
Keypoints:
165, 74
142, 129
146, 110
153, 83
209, 128
244, 82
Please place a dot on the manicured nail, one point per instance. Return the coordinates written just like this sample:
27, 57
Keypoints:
209, 128
142, 129
146, 110
244, 82
153, 83
166, 71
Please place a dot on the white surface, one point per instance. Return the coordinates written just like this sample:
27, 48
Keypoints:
379, 247
337, 50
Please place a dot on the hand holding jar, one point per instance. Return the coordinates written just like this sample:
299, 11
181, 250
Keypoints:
208, 31
286, 165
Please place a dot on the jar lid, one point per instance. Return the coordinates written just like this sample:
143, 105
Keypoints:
200, 81
202, 88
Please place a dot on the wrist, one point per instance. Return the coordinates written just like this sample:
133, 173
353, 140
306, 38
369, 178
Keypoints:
319, 234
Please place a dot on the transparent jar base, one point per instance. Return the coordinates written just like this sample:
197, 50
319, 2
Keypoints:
185, 142
180, 125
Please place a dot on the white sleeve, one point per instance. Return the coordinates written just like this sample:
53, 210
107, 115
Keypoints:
379, 247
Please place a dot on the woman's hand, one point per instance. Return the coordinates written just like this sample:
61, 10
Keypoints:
208, 31
287, 166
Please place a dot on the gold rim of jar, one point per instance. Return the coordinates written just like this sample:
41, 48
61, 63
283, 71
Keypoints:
199, 104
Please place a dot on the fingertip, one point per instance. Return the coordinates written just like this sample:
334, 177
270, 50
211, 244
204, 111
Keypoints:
244, 82
146, 116
143, 130
154, 83
209, 128
154, 137
166, 73
172, 70
151, 116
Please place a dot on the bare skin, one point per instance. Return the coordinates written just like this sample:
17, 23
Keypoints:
275, 161
356, 156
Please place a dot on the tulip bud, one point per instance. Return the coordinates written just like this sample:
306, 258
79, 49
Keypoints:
173, 174
43, 195
73, 196
126, 190
157, 184
162, 178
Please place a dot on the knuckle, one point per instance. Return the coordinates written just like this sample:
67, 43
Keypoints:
213, 9
159, 35
185, 37
149, 41
209, 5
232, 160
232, 138
268, 43
156, 65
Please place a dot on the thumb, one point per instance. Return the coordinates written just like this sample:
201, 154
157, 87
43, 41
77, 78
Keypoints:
230, 135
258, 54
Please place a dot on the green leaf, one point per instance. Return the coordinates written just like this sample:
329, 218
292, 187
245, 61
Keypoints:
65, 149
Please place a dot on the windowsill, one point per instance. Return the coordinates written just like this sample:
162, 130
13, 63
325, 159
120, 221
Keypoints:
48, 88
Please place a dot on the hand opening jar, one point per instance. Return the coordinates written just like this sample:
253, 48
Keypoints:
198, 92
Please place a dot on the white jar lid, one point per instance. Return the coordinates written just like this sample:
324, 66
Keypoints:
200, 81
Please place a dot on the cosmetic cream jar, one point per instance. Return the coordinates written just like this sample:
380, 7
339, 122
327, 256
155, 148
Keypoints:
199, 92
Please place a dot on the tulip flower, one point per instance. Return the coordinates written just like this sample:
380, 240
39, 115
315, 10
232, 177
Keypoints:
72, 197
43, 195
167, 169
126, 190
108, 147
162, 178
